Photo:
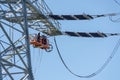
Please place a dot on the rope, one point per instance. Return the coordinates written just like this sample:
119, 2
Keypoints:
94, 73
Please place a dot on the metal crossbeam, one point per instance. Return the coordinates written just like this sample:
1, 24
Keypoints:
10, 1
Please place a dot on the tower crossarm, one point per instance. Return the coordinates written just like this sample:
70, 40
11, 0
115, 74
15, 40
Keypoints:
36, 11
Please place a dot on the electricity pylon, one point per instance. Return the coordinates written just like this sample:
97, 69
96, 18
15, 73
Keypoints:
17, 18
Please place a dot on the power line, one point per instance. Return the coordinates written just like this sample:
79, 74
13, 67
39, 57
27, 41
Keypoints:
96, 72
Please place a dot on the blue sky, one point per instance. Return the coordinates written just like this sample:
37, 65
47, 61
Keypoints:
82, 55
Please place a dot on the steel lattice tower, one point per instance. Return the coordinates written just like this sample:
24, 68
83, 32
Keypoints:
17, 18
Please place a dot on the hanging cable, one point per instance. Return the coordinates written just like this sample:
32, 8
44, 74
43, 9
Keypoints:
94, 73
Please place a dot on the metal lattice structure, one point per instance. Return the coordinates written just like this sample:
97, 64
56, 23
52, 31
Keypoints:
17, 17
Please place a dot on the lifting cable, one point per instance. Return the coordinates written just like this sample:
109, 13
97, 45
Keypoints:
96, 72
39, 62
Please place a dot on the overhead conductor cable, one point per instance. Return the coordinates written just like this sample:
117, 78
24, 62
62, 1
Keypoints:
96, 72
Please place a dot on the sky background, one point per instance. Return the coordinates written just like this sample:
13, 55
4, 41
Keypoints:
82, 55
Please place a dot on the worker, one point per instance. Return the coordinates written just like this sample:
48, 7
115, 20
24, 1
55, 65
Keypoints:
38, 37
44, 40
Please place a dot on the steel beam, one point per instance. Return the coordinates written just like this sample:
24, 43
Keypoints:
30, 76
